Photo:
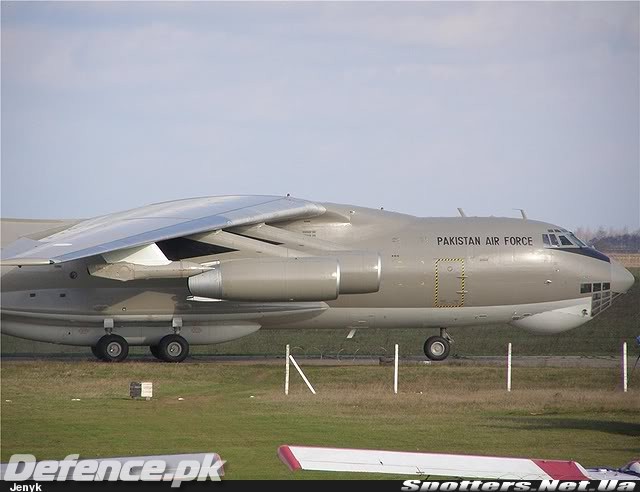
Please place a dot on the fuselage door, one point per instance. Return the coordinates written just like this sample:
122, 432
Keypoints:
449, 282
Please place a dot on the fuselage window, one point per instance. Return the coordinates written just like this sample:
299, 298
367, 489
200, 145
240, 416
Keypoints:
545, 239
565, 241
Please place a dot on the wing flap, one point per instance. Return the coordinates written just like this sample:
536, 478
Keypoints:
158, 222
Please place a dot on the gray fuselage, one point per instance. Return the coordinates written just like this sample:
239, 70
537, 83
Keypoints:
435, 272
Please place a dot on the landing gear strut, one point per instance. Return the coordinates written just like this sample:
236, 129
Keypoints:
438, 347
111, 348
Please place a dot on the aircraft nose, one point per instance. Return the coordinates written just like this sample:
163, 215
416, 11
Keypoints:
621, 278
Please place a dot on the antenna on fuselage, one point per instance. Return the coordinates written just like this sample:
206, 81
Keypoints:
523, 213
461, 212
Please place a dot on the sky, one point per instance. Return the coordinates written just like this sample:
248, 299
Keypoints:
415, 107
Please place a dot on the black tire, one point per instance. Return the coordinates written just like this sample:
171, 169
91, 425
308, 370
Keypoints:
154, 351
173, 348
112, 348
437, 348
94, 351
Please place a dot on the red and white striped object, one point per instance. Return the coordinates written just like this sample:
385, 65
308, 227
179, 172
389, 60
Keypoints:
445, 465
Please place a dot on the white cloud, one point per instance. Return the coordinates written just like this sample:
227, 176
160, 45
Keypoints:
239, 93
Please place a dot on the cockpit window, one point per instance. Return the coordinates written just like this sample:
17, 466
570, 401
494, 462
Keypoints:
575, 240
565, 241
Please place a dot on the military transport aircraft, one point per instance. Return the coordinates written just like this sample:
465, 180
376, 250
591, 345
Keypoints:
213, 269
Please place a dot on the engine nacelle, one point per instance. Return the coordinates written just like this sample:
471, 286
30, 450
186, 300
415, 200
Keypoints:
290, 279
359, 272
270, 279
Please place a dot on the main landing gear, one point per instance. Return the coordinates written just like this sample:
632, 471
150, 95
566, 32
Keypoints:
172, 348
114, 348
438, 347
111, 348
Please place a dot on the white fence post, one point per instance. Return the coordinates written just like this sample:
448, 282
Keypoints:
286, 373
395, 372
624, 367
509, 367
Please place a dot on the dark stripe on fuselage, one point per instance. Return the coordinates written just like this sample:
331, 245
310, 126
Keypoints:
590, 252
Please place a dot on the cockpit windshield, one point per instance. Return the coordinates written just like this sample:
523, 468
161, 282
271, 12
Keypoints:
561, 238
576, 240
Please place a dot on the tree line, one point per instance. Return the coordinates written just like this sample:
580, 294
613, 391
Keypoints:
611, 239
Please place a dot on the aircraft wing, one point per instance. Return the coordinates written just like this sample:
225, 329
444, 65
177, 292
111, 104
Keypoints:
153, 223
424, 464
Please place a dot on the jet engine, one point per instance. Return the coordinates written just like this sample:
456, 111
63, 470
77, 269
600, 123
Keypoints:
289, 279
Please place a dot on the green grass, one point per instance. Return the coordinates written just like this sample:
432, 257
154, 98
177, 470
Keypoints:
602, 336
552, 413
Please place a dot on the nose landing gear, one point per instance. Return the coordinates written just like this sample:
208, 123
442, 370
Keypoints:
438, 347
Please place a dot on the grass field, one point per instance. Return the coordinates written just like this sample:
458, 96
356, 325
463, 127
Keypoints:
602, 336
240, 412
